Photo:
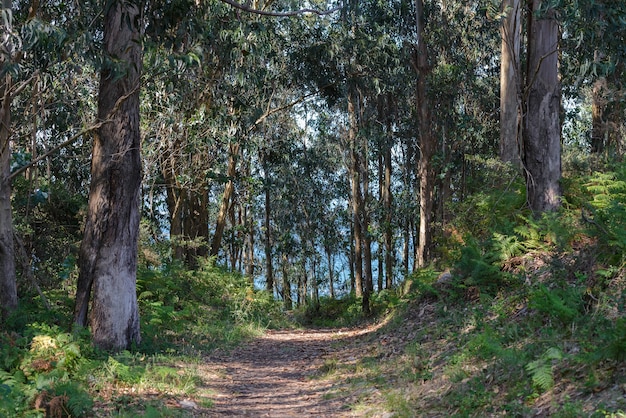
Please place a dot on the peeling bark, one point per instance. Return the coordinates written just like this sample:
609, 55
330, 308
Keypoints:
8, 286
510, 83
108, 253
542, 129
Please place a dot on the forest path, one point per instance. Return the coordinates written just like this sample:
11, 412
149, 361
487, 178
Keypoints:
281, 373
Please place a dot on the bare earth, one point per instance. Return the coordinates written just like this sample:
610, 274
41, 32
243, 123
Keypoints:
279, 375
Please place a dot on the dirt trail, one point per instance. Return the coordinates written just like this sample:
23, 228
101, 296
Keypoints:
275, 375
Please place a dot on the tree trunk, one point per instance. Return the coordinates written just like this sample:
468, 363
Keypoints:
249, 247
108, 253
427, 139
315, 292
8, 286
368, 279
510, 83
542, 129
331, 272
598, 124
269, 269
287, 299
356, 198
380, 256
387, 202
303, 283
220, 223
174, 199
351, 257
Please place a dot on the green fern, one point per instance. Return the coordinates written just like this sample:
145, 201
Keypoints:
614, 346
562, 304
542, 370
79, 402
607, 212
507, 246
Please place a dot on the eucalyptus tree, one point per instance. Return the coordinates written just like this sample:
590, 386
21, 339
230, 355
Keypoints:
8, 285
108, 254
42, 54
427, 140
510, 81
592, 67
542, 104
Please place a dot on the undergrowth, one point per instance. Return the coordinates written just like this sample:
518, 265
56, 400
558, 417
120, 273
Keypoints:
47, 371
526, 320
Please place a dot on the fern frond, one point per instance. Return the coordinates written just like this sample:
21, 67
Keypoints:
541, 370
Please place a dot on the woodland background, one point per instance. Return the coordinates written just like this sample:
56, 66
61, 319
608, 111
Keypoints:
332, 159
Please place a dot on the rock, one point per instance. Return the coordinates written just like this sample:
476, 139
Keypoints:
186, 404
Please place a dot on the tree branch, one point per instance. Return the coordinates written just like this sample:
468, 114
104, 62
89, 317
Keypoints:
269, 112
74, 138
64, 144
249, 9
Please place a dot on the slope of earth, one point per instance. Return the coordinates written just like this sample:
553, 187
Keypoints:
432, 360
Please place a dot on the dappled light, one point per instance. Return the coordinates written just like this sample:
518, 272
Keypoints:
274, 208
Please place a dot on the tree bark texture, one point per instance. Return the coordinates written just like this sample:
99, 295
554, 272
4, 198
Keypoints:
510, 83
168, 163
269, 267
427, 139
8, 286
356, 197
108, 253
387, 201
598, 123
542, 128
368, 279
286, 293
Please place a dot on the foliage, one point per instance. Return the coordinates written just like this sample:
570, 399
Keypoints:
541, 370
607, 217
563, 304
182, 311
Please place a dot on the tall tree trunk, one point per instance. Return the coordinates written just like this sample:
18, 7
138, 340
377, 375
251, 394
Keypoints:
356, 198
303, 284
174, 199
368, 279
331, 272
108, 253
8, 286
388, 200
315, 292
249, 247
356, 201
380, 256
287, 299
220, 223
427, 138
510, 83
351, 257
542, 129
598, 124
269, 269
406, 230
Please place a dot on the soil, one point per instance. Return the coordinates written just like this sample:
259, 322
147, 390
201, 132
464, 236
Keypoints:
281, 375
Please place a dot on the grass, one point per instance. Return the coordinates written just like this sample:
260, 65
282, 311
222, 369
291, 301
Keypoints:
531, 323
46, 371
548, 339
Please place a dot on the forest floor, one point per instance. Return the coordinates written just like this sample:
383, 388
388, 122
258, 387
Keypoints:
414, 364
286, 373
